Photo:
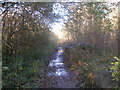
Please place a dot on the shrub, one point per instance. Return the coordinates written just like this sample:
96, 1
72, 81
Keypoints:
115, 68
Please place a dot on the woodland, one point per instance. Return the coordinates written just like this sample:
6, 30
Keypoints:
89, 37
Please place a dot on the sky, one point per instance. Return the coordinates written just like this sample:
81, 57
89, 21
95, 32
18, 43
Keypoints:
57, 26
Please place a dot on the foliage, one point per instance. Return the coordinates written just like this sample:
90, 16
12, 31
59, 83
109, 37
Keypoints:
26, 43
115, 67
23, 69
90, 23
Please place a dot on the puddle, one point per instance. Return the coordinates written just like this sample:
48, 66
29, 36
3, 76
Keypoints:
60, 72
58, 65
56, 62
58, 76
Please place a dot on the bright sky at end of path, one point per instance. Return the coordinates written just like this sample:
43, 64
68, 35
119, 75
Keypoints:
58, 25
57, 29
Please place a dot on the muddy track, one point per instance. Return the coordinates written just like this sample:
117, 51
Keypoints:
57, 74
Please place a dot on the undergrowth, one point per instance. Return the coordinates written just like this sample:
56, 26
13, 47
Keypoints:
21, 71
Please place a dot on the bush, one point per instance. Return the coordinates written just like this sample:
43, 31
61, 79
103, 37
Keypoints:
115, 68
21, 71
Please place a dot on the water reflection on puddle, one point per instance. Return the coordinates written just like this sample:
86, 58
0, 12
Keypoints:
58, 72
56, 62
58, 65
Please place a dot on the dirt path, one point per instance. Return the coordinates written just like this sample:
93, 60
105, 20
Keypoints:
57, 75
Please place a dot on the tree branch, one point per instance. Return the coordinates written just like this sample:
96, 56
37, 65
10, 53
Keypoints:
6, 44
